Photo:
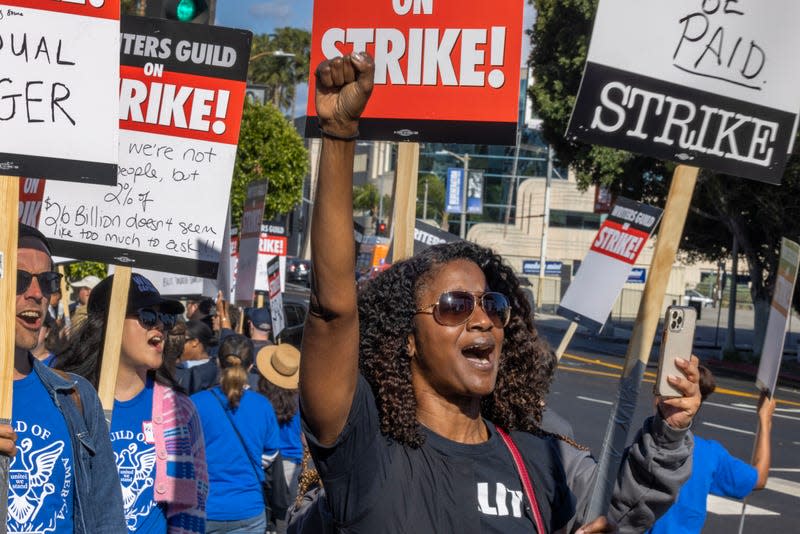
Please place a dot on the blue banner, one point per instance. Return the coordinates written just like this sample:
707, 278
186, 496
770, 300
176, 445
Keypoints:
455, 185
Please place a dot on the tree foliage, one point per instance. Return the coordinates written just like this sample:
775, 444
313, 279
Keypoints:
82, 269
758, 215
269, 148
280, 73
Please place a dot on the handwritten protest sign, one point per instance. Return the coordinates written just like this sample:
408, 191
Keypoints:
711, 83
457, 61
606, 267
774, 339
58, 89
181, 97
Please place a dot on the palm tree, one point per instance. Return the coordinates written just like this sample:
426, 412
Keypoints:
280, 61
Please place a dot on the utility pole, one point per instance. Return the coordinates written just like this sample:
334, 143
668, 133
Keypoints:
545, 224
463, 231
425, 201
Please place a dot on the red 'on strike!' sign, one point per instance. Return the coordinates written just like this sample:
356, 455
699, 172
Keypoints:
445, 70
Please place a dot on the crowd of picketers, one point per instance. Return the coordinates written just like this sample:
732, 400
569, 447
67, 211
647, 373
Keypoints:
422, 396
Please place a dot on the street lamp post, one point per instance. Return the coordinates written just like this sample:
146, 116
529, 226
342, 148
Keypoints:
465, 161
276, 94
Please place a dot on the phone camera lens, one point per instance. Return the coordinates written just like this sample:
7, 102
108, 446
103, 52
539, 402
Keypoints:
673, 325
680, 320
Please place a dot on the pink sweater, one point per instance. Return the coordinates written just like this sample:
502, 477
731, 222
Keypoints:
181, 474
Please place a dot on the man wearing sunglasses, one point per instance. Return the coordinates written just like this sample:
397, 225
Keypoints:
62, 473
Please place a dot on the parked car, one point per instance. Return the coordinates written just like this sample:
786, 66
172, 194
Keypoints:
295, 308
298, 271
692, 295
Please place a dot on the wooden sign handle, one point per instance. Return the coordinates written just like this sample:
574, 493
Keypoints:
562, 347
9, 209
405, 201
117, 309
641, 341
9, 204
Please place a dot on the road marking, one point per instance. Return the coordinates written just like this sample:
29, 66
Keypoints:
754, 408
723, 427
746, 410
598, 401
723, 391
781, 485
587, 371
721, 506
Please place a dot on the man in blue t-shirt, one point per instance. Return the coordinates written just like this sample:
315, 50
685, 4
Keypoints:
715, 471
50, 466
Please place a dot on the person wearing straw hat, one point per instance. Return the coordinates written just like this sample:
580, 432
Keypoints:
279, 370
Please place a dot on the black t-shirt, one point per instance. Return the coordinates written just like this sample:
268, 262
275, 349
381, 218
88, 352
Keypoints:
374, 484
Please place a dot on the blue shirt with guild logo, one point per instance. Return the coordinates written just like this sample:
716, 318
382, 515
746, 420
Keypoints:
134, 451
40, 477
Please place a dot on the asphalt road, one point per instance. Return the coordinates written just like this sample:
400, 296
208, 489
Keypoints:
585, 388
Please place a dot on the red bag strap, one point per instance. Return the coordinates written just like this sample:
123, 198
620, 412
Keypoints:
526, 479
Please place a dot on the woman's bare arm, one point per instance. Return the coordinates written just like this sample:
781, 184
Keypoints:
329, 364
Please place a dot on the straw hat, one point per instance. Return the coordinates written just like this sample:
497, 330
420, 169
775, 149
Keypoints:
280, 364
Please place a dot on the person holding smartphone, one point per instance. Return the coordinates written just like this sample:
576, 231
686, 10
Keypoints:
717, 472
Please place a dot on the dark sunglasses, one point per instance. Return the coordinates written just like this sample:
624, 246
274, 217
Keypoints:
49, 282
149, 318
456, 307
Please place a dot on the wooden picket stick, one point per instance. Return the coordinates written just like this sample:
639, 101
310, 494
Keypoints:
117, 309
64, 297
405, 201
9, 208
641, 342
260, 299
562, 347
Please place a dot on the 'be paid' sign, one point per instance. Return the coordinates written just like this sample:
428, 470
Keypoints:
445, 70
711, 83
59, 72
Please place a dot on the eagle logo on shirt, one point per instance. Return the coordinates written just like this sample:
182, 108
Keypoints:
29, 479
135, 469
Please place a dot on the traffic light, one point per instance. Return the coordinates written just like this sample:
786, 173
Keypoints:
197, 11
381, 230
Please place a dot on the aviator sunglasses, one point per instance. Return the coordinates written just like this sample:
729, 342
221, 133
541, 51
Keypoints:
456, 307
149, 318
49, 282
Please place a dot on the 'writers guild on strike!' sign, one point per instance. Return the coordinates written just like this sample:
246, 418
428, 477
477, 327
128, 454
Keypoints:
179, 110
711, 83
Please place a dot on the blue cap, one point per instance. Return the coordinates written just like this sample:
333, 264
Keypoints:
261, 318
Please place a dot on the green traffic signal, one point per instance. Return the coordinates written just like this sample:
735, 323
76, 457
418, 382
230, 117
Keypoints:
186, 10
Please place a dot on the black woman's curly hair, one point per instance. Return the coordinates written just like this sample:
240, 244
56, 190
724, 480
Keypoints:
386, 307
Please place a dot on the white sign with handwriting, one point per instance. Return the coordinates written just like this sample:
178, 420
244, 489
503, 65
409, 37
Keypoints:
59, 71
180, 107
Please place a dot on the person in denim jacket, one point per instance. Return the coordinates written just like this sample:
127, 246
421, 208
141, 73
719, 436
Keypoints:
61, 474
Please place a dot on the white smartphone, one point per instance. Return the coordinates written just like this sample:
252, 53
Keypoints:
676, 342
